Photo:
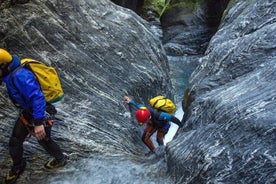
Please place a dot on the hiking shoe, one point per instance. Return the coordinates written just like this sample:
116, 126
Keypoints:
53, 164
15, 172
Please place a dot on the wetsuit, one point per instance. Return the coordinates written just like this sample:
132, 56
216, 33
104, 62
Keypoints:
160, 122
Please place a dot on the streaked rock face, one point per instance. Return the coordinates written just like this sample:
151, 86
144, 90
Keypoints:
230, 103
102, 52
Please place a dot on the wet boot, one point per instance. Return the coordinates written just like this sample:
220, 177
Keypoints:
15, 172
55, 163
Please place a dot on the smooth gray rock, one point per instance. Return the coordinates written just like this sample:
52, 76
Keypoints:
102, 52
188, 26
230, 103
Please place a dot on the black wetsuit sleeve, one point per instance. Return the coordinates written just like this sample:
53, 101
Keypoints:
177, 121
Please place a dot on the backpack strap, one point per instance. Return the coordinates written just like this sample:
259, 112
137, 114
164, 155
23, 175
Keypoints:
155, 113
13, 84
22, 65
158, 123
12, 76
158, 100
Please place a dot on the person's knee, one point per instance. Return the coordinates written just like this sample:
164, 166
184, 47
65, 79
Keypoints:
160, 141
145, 137
44, 141
14, 142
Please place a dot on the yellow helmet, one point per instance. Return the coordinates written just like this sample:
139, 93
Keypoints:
5, 56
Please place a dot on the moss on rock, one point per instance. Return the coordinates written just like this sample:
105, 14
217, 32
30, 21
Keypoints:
158, 7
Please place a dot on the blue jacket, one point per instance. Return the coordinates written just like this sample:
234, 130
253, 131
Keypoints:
25, 89
159, 118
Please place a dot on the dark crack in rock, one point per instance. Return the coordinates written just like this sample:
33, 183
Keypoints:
102, 52
230, 103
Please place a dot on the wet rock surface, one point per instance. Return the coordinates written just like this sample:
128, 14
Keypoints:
230, 103
102, 52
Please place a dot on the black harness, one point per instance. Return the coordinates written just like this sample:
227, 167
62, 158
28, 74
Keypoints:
155, 113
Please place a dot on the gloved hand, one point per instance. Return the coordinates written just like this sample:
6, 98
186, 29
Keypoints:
180, 130
51, 109
38, 122
47, 121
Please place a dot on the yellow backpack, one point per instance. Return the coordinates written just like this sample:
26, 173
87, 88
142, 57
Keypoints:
47, 78
162, 103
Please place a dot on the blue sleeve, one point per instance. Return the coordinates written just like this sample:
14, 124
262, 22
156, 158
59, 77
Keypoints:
165, 116
168, 117
134, 104
29, 88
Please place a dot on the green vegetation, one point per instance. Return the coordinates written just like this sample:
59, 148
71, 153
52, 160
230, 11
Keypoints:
154, 5
166, 5
230, 4
189, 4
161, 6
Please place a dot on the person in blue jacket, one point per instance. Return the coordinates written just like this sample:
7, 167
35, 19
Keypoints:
24, 91
156, 121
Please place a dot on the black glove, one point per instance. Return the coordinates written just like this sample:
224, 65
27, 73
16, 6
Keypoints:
38, 122
51, 109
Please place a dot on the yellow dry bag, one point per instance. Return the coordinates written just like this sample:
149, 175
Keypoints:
47, 77
162, 103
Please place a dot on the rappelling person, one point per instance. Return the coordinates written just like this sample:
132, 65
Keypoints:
156, 120
34, 117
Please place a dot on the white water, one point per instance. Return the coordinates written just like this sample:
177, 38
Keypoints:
173, 129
